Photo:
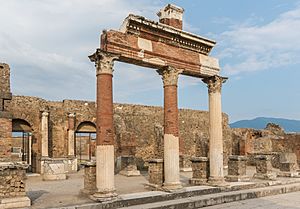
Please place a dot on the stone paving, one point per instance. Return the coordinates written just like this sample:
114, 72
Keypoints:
283, 201
55, 194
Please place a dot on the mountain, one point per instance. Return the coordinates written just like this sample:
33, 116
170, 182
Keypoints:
261, 122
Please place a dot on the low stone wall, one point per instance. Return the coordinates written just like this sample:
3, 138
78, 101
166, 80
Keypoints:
12, 185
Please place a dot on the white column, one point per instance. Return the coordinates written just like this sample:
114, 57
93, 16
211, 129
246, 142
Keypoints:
45, 135
29, 149
71, 135
214, 84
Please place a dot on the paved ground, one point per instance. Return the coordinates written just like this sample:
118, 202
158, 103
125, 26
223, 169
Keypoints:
283, 201
45, 194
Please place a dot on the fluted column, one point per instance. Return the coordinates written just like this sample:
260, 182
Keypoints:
105, 130
71, 135
45, 135
214, 85
171, 132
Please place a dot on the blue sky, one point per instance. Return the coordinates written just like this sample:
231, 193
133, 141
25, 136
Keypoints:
46, 43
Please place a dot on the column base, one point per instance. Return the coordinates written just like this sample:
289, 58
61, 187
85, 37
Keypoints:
104, 196
172, 186
196, 181
217, 181
232, 178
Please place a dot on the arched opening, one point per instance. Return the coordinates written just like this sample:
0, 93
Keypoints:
85, 141
22, 141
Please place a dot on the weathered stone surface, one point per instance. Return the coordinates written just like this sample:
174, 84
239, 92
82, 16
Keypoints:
89, 178
264, 167
12, 180
200, 167
54, 169
237, 168
156, 172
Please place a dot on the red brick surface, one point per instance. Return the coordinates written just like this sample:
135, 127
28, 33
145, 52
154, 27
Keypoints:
172, 22
105, 129
170, 110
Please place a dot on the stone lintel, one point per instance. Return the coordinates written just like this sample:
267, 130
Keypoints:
237, 158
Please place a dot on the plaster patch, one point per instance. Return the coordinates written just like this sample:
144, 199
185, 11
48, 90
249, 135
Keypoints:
144, 44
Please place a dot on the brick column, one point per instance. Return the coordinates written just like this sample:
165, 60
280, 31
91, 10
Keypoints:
105, 129
214, 85
171, 132
45, 135
71, 135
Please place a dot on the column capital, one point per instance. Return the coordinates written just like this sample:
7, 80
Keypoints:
45, 114
104, 61
71, 115
214, 83
169, 75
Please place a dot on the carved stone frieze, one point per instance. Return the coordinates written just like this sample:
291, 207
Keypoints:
169, 75
214, 83
104, 61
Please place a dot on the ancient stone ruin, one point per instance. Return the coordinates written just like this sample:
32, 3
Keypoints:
55, 139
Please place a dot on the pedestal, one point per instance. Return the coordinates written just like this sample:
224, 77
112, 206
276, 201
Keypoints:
89, 178
128, 166
200, 167
264, 168
237, 169
156, 173
12, 185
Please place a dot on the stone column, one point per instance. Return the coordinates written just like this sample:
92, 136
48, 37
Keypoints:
71, 135
45, 135
105, 129
214, 85
171, 132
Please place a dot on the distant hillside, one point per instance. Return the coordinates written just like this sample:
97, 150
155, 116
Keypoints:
261, 122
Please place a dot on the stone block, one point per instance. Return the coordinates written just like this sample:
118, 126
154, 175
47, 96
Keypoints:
54, 169
200, 168
128, 166
89, 178
264, 167
15, 202
156, 172
237, 166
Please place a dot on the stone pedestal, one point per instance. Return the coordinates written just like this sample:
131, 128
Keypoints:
89, 178
12, 185
264, 168
237, 166
200, 166
128, 166
156, 173
54, 169
185, 163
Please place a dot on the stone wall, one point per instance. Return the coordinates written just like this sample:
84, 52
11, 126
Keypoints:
270, 140
138, 128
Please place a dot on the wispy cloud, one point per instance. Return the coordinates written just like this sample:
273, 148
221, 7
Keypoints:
252, 47
47, 42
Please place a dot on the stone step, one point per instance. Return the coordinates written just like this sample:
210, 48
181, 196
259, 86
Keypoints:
152, 197
218, 198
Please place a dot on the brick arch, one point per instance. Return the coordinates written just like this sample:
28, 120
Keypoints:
86, 126
21, 125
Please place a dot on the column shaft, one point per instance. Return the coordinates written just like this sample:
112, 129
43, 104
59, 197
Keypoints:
214, 84
71, 135
45, 135
171, 133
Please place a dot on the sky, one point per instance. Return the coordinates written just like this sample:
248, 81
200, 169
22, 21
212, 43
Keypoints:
47, 43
